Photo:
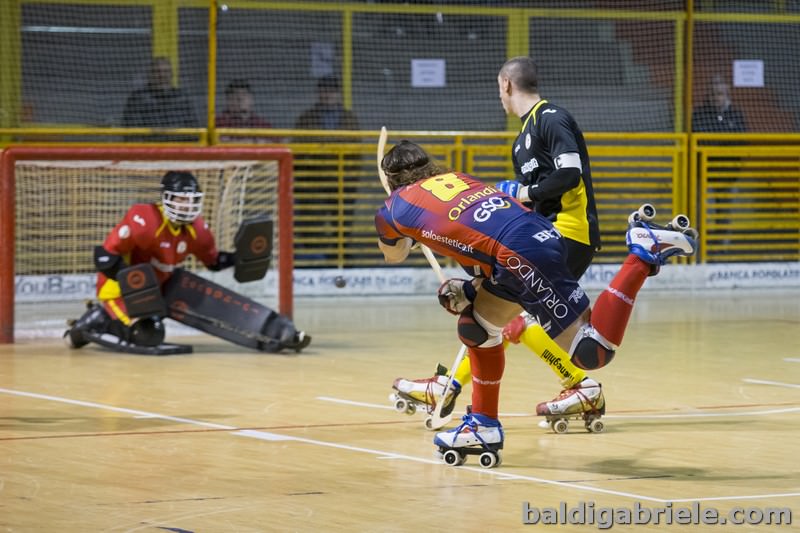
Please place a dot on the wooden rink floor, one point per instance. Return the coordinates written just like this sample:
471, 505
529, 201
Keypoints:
703, 406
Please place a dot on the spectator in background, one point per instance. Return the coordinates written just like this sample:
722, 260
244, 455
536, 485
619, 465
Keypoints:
240, 112
159, 104
323, 211
239, 109
328, 113
718, 114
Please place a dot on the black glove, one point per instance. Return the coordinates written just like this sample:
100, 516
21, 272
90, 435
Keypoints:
224, 260
108, 263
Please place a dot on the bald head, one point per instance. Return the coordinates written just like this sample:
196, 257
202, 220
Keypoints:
523, 73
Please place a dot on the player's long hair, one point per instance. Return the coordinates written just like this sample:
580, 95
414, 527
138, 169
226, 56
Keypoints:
406, 163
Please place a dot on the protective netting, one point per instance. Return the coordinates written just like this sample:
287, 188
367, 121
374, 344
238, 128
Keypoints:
618, 66
65, 208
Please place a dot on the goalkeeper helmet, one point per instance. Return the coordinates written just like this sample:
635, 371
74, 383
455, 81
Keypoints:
181, 197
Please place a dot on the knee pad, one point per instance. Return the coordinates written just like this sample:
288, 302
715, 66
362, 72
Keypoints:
474, 330
147, 332
590, 350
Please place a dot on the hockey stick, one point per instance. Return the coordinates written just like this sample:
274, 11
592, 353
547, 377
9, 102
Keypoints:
435, 420
385, 182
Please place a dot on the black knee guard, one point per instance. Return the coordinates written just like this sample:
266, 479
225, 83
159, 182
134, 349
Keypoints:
470, 331
589, 354
147, 332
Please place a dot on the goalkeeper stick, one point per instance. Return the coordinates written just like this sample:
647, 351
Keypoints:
435, 420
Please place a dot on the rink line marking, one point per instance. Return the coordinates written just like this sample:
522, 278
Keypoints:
389, 407
792, 359
135, 412
351, 402
610, 416
381, 454
768, 382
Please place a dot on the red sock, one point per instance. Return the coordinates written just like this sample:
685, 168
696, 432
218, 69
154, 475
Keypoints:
614, 305
487, 371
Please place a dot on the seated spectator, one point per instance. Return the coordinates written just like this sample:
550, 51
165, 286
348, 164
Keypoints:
239, 112
328, 113
159, 104
718, 114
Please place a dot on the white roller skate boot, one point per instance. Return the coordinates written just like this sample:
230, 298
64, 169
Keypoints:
584, 401
477, 435
655, 244
425, 393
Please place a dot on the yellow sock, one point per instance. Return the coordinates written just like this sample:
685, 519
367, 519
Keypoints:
540, 343
464, 372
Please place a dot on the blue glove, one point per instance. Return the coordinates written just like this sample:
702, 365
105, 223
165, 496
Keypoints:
510, 187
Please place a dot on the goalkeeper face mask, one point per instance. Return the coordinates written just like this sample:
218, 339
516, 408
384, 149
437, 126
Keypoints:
182, 207
181, 197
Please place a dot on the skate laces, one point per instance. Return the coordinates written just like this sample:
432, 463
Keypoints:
431, 392
584, 399
469, 423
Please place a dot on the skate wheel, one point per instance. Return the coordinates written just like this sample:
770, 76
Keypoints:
680, 223
453, 458
647, 212
489, 459
691, 232
561, 425
595, 426
400, 405
411, 409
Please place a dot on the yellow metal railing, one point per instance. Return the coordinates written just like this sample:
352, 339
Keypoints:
742, 191
746, 193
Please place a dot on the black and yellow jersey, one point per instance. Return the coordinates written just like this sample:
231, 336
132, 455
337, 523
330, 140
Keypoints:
548, 131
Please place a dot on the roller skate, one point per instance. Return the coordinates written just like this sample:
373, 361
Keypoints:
584, 401
654, 243
409, 395
477, 435
94, 320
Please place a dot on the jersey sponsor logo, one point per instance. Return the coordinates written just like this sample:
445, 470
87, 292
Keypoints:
182, 246
528, 141
124, 232
467, 201
452, 243
485, 209
546, 234
517, 148
576, 295
164, 244
530, 166
538, 285
139, 220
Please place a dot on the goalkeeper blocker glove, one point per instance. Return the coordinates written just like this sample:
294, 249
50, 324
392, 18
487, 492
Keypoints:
224, 260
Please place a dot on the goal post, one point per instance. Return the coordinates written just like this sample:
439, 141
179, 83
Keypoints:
42, 186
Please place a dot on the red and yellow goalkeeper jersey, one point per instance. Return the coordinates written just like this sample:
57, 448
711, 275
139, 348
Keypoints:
145, 235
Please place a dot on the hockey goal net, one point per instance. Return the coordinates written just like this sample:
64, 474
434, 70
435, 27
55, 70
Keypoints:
58, 202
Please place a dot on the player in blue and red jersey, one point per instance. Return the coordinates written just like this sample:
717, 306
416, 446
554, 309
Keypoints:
553, 178
519, 257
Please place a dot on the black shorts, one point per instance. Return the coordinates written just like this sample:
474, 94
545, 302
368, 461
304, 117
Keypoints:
534, 274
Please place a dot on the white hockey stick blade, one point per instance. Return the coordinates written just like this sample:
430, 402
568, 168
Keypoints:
384, 136
436, 420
